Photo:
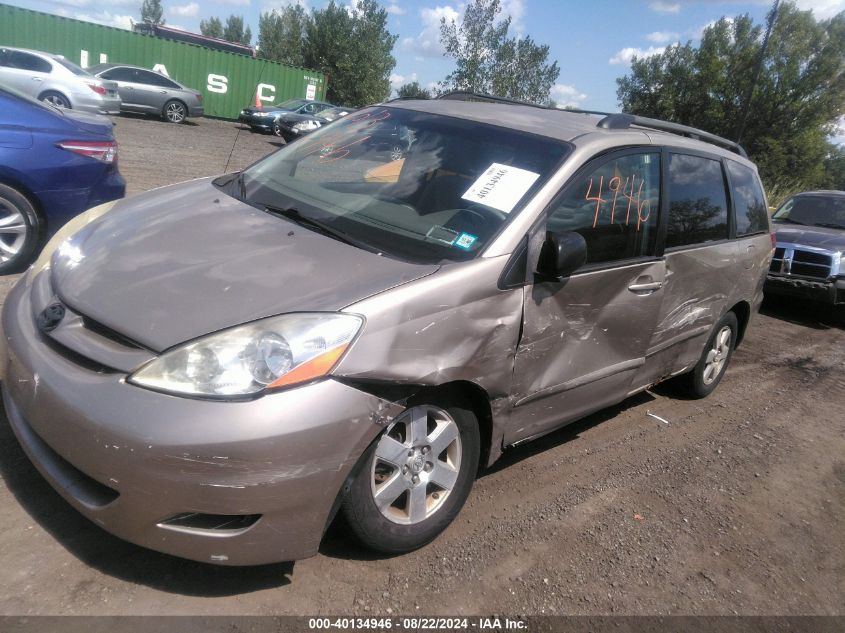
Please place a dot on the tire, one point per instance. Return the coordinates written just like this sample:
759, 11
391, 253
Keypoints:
21, 229
393, 504
55, 98
715, 358
175, 111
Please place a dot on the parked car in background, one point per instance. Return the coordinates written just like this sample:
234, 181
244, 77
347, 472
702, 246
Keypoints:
809, 260
54, 79
54, 164
148, 92
263, 118
291, 125
296, 339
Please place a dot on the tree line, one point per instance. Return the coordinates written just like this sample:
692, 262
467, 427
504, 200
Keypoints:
781, 88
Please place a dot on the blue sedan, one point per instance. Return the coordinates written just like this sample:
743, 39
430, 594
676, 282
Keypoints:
54, 164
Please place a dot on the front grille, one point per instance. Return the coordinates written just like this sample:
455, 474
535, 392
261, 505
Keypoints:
796, 262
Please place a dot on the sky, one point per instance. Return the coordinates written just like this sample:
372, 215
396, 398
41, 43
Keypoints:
592, 41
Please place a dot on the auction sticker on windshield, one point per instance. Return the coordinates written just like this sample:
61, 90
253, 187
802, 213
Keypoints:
501, 186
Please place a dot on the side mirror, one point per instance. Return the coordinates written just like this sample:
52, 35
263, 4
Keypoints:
562, 254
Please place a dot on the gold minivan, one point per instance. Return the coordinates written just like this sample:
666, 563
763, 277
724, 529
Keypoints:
214, 369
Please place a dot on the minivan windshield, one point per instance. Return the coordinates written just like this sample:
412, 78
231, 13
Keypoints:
410, 185
813, 210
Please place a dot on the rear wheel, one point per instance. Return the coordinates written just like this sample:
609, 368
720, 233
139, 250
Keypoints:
55, 98
711, 367
20, 230
175, 111
414, 480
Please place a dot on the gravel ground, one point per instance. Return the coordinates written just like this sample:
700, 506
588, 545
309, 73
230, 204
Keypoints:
736, 506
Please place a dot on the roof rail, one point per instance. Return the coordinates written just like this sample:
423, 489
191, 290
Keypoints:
623, 121
610, 120
467, 95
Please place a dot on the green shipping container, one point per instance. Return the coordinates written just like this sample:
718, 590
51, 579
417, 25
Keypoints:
228, 81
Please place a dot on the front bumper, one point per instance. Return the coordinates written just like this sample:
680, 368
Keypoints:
131, 459
260, 122
823, 291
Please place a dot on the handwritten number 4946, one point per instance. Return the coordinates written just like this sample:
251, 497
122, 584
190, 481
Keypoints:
641, 208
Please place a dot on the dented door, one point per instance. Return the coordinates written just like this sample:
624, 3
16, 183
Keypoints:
584, 338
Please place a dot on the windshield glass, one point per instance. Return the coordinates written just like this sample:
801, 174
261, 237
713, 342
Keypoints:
291, 104
410, 185
820, 210
76, 70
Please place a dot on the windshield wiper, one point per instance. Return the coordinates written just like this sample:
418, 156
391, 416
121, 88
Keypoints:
293, 214
790, 220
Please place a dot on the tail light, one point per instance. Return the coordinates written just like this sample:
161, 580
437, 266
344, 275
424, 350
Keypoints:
199, 98
103, 151
774, 240
100, 90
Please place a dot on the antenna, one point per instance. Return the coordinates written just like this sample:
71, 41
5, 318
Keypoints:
240, 127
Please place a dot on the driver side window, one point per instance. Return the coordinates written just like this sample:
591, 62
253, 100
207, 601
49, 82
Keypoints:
614, 207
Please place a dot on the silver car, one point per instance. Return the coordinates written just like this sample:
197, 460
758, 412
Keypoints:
148, 92
214, 369
54, 79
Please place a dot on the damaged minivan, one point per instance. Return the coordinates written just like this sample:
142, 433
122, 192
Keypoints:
215, 369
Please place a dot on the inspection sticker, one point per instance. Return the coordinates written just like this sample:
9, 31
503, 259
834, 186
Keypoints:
501, 186
465, 241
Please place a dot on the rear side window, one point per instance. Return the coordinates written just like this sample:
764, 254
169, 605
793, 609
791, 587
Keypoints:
154, 79
120, 74
614, 207
698, 204
749, 201
25, 61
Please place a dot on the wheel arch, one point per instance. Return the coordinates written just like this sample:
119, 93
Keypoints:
58, 92
742, 310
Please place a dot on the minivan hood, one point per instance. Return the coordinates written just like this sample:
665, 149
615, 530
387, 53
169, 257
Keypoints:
178, 262
817, 236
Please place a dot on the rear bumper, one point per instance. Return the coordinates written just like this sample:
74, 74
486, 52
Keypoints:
131, 459
97, 104
196, 110
61, 205
830, 292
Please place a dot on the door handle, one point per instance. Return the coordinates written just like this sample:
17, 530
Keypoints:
37, 78
647, 287
164, 92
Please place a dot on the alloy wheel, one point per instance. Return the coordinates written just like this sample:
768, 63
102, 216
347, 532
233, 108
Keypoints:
416, 465
714, 364
13, 231
175, 112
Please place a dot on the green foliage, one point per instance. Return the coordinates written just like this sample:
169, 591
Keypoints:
212, 27
281, 34
152, 12
353, 48
413, 90
487, 60
234, 30
799, 95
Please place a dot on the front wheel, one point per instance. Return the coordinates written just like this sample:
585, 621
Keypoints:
413, 481
175, 111
711, 367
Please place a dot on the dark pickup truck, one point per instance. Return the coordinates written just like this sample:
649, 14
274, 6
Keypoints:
809, 261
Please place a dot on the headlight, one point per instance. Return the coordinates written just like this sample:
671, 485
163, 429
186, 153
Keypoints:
65, 232
247, 359
303, 126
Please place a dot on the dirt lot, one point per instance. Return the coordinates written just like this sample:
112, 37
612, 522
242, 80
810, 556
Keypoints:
737, 505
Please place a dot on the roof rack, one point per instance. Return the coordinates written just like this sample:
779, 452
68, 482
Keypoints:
610, 120
467, 95
623, 121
